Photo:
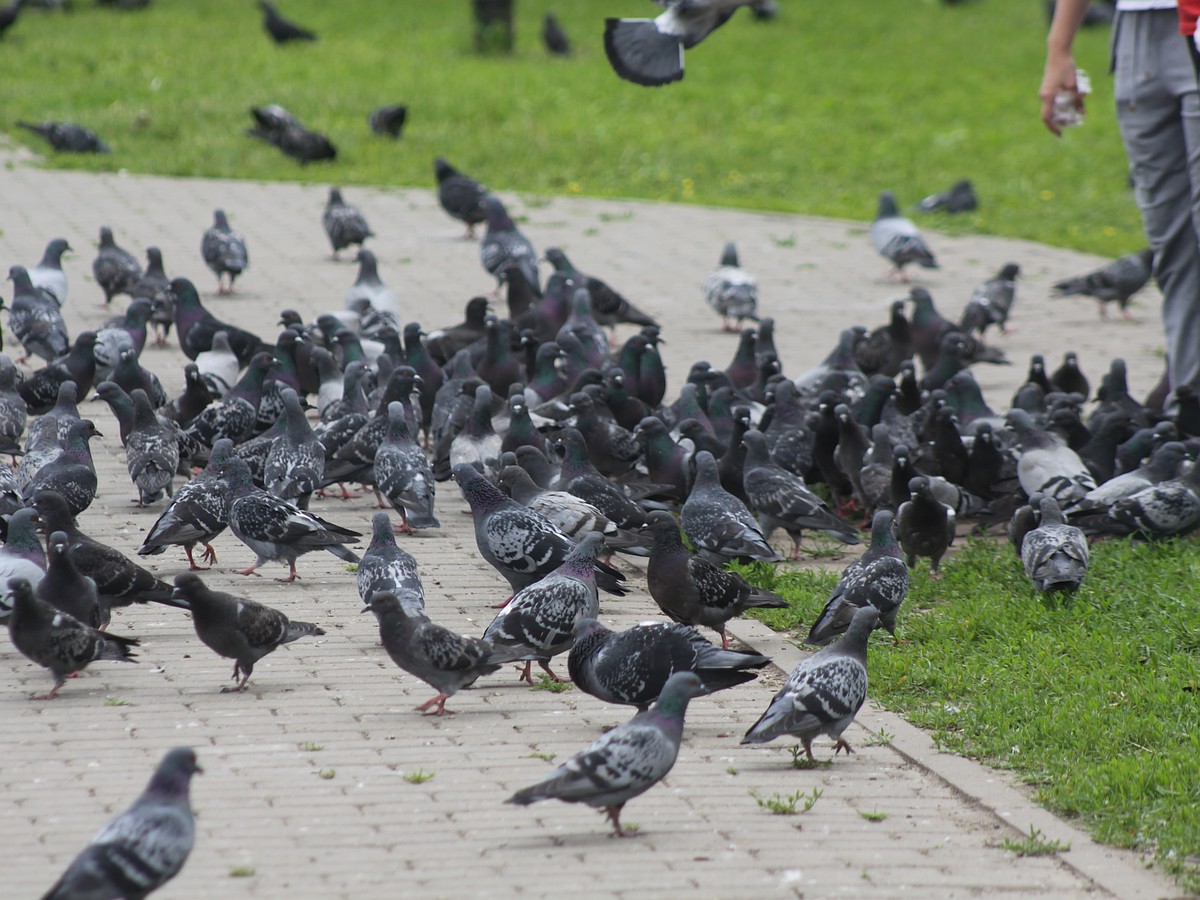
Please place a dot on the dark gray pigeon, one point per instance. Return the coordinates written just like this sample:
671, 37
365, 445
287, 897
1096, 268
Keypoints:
717, 523
626, 761
731, 291
959, 198
824, 692
151, 451
236, 627
878, 578
403, 474
57, 641
344, 224
460, 195
521, 545
991, 302
388, 120
1116, 282
924, 525
295, 465
538, 622
694, 591
278, 127
385, 567
35, 319
280, 29
117, 270
67, 137
607, 306
277, 530
504, 243
445, 661
14, 414
144, 847
1055, 554
198, 512
21, 555
896, 238
649, 52
224, 251
634, 665
40, 389
233, 416
554, 37
64, 588
71, 474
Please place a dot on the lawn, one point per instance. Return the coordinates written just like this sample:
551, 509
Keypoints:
814, 112
1093, 699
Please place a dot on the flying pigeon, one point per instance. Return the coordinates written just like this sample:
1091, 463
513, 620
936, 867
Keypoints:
694, 591
198, 512
1116, 282
731, 291
445, 661
236, 627
344, 223
48, 274
896, 238
878, 578
460, 195
280, 29
385, 567
504, 243
388, 120
57, 641
633, 666
1055, 554
717, 523
67, 137
649, 52
403, 474
144, 847
824, 692
224, 251
624, 762
991, 302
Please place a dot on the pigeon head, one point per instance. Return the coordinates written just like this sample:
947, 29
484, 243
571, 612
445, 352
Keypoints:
865, 620
443, 170
238, 476
382, 534
174, 774
20, 592
882, 536
54, 251
887, 206
106, 237
154, 259
19, 276
290, 317
515, 482
335, 197
387, 603
756, 448
219, 219
54, 512
581, 561
480, 493
21, 530
662, 525
680, 688
184, 293
189, 587
1010, 271
729, 255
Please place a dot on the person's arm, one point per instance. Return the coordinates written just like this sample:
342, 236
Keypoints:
1060, 63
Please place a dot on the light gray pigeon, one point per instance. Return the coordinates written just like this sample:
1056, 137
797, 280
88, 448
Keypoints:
878, 578
21, 556
824, 692
1116, 282
236, 627
538, 622
478, 444
1164, 509
1055, 554
731, 291
224, 251
625, 762
385, 567
572, 515
344, 223
48, 274
219, 366
151, 451
404, 475
445, 661
633, 666
649, 52
717, 523
896, 238
1162, 465
1047, 465
504, 243
144, 847
368, 286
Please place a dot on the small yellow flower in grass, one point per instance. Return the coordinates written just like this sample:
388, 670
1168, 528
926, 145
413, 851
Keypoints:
689, 188
1109, 231
574, 187
1047, 195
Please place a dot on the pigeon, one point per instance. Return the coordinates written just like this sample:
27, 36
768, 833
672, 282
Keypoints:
633, 666
344, 224
460, 195
878, 578
236, 627
51, 427
40, 390
275, 529
403, 474
781, 499
717, 523
694, 591
126, 333
959, 198
536, 624
625, 762
1047, 465
152, 451
477, 444
35, 319
64, 588
48, 274
388, 120
235, 414
607, 306
21, 556
198, 512
144, 847
295, 465
67, 137
278, 127
1055, 554
117, 270
368, 286
224, 251
504, 243
119, 580
554, 37
57, 641
731, 291
824, 692
218, 366
649, 52
385, 567
571, 515
1069, 378
196, 326
280, 29
991, 302
520, 544
896, 238
444, 343
9, 14
924, 525
71, 474
1163, 509
445, 661
1116, 282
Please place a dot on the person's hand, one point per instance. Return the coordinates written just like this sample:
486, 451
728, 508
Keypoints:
1059, 76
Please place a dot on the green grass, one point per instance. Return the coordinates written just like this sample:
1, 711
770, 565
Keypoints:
1034, 844
418, 777
1091, 699
815, 112
786, 804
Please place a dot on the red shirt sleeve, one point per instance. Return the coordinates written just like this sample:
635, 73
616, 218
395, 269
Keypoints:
1189, 11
